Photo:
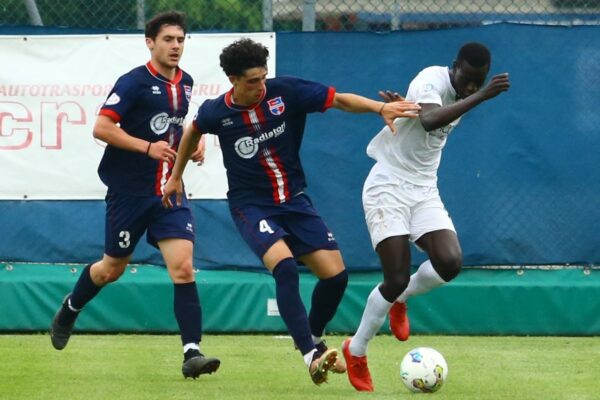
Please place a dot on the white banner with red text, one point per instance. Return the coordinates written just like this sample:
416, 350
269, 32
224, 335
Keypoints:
51, 88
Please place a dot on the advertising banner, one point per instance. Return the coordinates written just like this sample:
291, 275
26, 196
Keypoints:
51, 88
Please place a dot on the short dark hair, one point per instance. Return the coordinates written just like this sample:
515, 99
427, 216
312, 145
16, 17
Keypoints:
166, 18
476, 54
242, 55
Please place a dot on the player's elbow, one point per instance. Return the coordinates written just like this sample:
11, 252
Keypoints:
99, 133
428, 123
101, 128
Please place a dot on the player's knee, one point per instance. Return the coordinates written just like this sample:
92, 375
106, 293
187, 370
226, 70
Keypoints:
449, 265
393, 286
340, 280
108, 275
183, 273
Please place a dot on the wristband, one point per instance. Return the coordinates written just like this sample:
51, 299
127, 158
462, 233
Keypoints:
148, 149
381, 109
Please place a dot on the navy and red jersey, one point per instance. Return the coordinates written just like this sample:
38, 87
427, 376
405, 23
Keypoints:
261, 143
150, 107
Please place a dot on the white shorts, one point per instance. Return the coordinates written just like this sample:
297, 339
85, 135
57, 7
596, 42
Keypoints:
394, 207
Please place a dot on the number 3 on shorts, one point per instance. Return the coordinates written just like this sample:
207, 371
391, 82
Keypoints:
263, 226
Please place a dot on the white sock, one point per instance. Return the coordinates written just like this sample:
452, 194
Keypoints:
373, 317
189, 346
422, 281
308, 357
317, 340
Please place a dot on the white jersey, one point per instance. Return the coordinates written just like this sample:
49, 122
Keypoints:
414, 154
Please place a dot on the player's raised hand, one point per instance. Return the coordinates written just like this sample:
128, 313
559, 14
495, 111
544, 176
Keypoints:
161, 151
498, 84
173, 186
398, 109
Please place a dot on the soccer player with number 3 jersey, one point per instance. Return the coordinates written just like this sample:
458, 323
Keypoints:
141, 122
260, 125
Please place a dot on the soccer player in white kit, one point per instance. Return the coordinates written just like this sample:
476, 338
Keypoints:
402, 202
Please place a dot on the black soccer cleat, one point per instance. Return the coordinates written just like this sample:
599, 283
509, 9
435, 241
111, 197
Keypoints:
60, 334
195, 364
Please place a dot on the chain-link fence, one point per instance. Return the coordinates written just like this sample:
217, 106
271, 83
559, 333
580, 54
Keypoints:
296, 15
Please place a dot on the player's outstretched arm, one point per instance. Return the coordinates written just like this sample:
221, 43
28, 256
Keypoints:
433, 116
187, 146
389, 111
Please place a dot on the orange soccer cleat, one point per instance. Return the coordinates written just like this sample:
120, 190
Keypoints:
358, 370
399, 323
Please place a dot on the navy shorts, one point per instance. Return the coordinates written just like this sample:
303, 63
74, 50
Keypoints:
128, 217
296, 221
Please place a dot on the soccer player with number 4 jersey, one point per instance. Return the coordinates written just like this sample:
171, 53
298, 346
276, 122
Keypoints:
142, 122
260, 125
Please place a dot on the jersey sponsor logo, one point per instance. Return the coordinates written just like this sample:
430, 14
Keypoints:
226, 122
112, 100
188, 92
160, 122
155, 90
247, 147
276, 106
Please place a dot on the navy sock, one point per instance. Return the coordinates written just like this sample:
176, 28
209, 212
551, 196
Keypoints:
326, 298
85, 290
188, 312
291, 308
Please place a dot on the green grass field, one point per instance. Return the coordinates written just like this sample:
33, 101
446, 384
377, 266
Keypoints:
267, 367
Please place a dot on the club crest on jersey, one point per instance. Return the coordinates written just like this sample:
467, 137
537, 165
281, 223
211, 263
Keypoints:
188, 92
112, 100
276, 106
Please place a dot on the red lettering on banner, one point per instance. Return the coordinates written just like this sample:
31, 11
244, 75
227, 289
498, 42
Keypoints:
53, 116
207, 90
54, 90
14, 137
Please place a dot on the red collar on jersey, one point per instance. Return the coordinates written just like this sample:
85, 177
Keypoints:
229, 101
156, 74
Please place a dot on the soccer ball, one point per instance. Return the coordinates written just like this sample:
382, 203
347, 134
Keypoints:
423, 370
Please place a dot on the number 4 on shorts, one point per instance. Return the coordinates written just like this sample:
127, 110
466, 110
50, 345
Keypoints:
263, 226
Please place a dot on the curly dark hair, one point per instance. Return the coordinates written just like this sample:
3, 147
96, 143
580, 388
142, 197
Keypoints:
476, 54
166, 18
243, 55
